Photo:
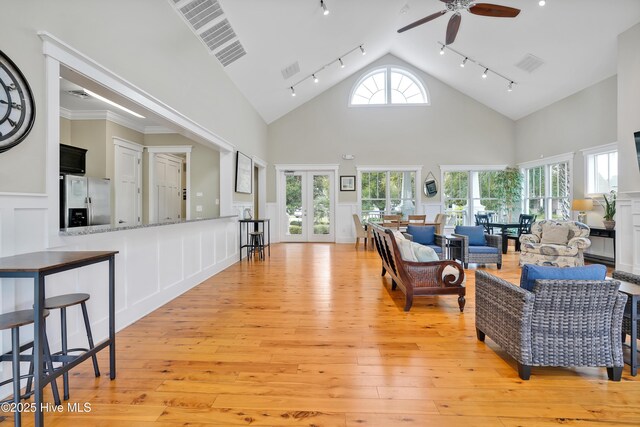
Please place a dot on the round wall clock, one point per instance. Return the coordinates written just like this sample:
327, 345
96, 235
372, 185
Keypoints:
17, 109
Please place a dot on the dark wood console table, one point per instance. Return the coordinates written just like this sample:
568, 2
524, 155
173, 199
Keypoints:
607, 234
38, 266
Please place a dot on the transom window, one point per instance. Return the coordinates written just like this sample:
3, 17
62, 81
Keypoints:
389, 86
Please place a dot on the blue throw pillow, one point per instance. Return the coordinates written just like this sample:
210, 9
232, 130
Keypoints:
423, 234
531, 273
475, 234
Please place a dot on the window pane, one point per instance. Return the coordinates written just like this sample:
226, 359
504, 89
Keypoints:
406, 88
536, 207
372, 90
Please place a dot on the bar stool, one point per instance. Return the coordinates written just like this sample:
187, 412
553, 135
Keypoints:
13, 321
256, 241
62, 302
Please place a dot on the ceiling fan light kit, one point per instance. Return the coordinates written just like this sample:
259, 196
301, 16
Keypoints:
457, 6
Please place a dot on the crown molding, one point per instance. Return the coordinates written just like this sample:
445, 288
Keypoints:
114, 118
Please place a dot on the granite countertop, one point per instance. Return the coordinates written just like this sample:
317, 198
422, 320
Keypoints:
95, 229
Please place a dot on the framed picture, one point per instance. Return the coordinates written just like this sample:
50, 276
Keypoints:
347, 183
244, 177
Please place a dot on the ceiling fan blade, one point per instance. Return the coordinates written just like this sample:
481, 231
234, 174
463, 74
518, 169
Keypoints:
452, 28
486, 9
422, 21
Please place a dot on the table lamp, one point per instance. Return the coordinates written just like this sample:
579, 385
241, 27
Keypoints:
582, 205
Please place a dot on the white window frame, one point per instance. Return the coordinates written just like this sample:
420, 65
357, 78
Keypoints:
388, 69
418, 183
590, 153
468, 169
546, 163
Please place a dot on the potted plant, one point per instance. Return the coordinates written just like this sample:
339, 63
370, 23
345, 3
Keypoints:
509, 190
609, 210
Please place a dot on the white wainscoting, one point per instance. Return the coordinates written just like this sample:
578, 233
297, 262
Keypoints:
628, 232
154, 265
272, 213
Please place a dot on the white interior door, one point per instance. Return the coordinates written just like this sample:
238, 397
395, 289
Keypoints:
167, 182
128, 180
309, 206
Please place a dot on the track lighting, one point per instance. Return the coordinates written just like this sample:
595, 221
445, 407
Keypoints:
325, 11
542, 2
485, 72
314, 76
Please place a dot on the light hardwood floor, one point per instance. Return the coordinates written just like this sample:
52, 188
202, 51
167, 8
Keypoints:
313, 336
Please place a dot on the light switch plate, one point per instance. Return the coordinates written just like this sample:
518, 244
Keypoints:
199, 208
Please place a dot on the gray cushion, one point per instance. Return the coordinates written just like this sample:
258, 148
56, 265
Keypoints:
555, 234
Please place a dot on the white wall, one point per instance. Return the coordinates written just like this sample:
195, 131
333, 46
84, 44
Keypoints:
585, 119
454, 129
153, 57
628, 215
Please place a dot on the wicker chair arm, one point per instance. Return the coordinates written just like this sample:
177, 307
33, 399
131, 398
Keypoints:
579, 242
494, 240
529, 238
407, 236
626, 277
431, 274
504, 312
616, 327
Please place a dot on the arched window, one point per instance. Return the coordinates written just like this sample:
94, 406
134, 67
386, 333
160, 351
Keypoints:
389, 86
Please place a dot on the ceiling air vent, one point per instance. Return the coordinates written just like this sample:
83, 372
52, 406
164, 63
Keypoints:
291, 70
218, 35
80, 93
230, 53
201, 12
206, 19
530, 63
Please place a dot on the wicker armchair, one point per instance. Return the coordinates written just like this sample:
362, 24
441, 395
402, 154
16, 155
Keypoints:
632, 278
570, 254
462, 251
561, 323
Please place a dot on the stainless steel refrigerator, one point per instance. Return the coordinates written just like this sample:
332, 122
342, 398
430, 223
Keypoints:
84, 201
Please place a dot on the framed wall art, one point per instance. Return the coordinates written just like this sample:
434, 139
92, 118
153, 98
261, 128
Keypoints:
244, 169
347, 183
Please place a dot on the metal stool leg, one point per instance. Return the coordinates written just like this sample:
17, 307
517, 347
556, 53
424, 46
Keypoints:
65, 347
49, 360
87, 326
15, 353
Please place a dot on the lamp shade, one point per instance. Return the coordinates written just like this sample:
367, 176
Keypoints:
582, 205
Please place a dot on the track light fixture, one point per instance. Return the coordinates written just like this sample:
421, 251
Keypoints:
325, 10
466, 59
314, 76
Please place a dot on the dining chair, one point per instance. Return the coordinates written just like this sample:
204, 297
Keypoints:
483, 220
525, 228
361, 233
391, 221
417, 219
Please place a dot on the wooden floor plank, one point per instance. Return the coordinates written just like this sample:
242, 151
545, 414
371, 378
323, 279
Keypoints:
314, 336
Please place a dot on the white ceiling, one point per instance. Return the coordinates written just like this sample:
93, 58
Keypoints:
575, 38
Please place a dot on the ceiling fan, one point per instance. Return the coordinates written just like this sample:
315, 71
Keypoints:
456, 6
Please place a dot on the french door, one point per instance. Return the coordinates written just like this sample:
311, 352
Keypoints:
308, 206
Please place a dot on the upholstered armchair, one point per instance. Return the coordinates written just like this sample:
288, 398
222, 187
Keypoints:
555, 243
559, 323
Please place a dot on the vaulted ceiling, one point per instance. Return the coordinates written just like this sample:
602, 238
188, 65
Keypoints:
576, 40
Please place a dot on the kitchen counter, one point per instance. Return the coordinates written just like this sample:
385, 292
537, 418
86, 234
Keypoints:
95, 229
